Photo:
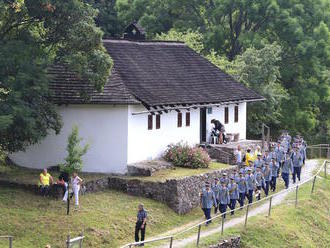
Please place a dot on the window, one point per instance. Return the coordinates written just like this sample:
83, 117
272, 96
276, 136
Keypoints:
187, 119
149, 122
209, 110
158, 121
226, 115
236, 113
179, 119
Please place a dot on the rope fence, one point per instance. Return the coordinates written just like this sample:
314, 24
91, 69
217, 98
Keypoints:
247, 207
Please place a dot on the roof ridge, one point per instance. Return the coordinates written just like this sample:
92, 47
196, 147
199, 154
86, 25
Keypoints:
146, 42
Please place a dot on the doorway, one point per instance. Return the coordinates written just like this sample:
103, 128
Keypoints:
202, 125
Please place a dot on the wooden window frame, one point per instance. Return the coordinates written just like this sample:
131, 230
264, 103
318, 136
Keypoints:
236, 113
150, 122
226, 115
158, 121
187, 119
179, 124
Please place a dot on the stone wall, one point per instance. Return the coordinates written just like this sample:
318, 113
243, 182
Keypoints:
233, 242
182, 195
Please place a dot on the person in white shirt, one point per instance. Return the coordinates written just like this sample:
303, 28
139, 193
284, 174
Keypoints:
75, 184
238, 154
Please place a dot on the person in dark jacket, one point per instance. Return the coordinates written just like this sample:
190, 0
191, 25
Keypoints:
141, 223
218, 126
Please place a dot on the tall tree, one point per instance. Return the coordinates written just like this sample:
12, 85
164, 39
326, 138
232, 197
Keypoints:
34, 34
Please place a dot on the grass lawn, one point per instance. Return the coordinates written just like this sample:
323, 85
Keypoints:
107, 218
305, 226
179, 172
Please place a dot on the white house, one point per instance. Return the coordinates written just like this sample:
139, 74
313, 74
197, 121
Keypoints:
158, 93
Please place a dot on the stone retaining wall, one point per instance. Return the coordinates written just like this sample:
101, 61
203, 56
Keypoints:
182, 194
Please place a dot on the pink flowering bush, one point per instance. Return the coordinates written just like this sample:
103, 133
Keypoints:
182, 155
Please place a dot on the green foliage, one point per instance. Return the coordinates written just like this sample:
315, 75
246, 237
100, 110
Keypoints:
182, 155
193, 39
33, 36
73, 161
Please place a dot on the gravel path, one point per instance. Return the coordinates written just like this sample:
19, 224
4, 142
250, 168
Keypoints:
307, 172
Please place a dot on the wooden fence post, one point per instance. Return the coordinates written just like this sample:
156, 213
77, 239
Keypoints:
325, 169
222, 224
246, 215
313, 185
270, 205
198, 234
171, 242
296, 196
68, 241
10, 242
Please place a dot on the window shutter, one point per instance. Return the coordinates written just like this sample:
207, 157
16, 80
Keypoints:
226, 115
158, 121
187, 119
179, 119
149, 122
236, 113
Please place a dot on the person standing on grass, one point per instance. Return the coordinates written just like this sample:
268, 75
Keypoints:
207, 200
274, 173
141, 224
224, 198
241, 189
250, 185
45, 180
286, 169
233, 194
297, 161
215, 188
75, 184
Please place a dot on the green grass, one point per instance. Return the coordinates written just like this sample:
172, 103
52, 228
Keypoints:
179, 172
107, 218
304, 226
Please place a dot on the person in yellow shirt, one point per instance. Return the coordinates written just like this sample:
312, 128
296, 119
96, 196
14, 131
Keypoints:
257, 152
248, 156
45, 180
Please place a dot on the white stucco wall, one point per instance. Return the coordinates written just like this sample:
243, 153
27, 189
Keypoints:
232, 126
144, 144
104, 127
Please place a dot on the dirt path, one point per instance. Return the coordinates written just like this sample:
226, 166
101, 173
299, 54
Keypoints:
307, 171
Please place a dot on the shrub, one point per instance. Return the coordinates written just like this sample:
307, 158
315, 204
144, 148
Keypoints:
73, 161
182, 155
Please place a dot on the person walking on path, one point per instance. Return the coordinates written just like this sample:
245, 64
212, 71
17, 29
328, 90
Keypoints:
141, 223
286, 169
241, 189
207, 200
215, 188
297, 161
250, 185
233, 194
224, 198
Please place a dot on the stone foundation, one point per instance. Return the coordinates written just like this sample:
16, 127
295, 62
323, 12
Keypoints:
147, 168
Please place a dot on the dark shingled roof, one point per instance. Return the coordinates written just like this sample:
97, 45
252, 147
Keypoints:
154, 73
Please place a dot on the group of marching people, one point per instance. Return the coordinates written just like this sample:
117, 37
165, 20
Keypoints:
255, 172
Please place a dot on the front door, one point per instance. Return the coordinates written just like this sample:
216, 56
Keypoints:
202, 125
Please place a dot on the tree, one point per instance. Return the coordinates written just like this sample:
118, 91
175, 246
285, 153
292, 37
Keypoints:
73, 161
258, 69
34, 34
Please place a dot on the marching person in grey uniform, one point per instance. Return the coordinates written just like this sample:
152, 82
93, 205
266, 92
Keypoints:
224, 198
250, 185
241, 189
207, 200
259, 179
287, 167
235, 175
258, 162
297, 162
215, 188
274, 167
267, 177
224, 179
267, 158
279, 152
233, 194
302, 150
